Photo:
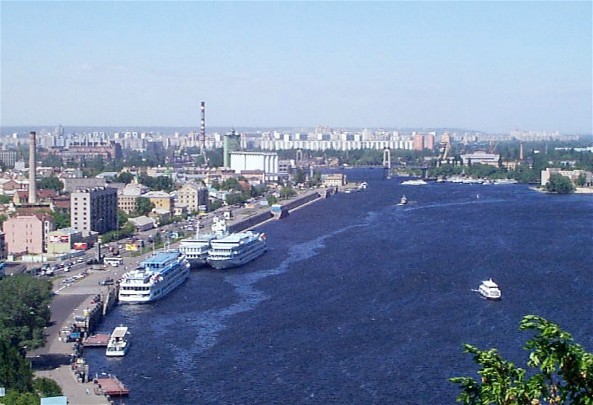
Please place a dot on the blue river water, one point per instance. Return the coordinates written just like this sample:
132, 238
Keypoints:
359, 301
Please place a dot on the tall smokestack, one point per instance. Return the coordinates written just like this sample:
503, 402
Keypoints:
202, 125
521, 152
32, 169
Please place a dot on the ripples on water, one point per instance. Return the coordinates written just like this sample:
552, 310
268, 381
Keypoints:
360, 301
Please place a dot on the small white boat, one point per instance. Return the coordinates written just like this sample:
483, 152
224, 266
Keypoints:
417, 182
119, 342
489, 289
403, 200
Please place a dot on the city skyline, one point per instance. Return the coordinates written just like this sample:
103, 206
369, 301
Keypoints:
493, 67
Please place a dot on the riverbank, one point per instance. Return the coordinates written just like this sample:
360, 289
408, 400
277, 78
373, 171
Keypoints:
77, 299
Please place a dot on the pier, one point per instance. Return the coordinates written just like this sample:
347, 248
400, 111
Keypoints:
97, 340
111, 386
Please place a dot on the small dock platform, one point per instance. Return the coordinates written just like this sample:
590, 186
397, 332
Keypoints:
97, 340
110, 385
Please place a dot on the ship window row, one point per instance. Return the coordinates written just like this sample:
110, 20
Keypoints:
135, 288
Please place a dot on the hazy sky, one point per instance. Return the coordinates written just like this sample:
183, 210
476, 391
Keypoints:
490, 66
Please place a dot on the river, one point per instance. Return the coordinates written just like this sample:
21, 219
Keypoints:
359, 301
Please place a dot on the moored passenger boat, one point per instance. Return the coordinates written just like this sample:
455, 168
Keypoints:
156, 277
236, 249
197, 247
119, 342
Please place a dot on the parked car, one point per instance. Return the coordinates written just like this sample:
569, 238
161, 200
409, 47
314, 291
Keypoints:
107, 281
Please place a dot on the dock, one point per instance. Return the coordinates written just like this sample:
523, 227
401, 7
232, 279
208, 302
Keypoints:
97, 340
111, 386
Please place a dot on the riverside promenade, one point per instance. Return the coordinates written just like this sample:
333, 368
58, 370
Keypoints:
54, 360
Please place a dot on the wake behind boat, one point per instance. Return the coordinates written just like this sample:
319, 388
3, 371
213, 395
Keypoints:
236, 249
197, 247
156, 277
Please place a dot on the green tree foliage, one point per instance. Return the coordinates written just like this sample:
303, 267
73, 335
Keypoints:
562, 371
122, 218
5, 199
52, 160
271, 198
287, 192
215, 158
14, 397
581, 180
143, 206
231, 184
559, 184
24, 310
315, 180
159, 183
124, 177
51, 182
15, 372
299, 176
61, 219
46, 387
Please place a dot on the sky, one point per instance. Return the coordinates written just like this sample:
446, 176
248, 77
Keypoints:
486, 66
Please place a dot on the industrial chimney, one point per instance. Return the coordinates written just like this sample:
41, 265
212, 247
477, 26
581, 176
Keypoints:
32, 169
202, 126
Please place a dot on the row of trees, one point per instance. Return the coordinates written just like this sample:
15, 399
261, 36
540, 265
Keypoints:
24, 314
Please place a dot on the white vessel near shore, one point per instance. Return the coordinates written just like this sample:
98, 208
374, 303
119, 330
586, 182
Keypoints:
236, 249
119, 342
417, 182
155, 277
197, 247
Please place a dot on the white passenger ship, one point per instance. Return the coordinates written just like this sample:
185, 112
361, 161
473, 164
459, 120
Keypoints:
236, 249
119, 342
156, 277
489, 289
197, 247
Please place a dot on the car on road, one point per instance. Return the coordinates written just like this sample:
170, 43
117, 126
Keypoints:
107, 281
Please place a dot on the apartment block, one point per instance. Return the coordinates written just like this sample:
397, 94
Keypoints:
193, 196
94, 209
26, 234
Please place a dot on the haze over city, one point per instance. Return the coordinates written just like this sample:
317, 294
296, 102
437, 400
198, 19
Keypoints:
489, 66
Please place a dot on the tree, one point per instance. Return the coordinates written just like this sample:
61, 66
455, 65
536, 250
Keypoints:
299, 176
52, 160
563, 371
51, 182
61, 219
143, 206
124, 177
15, 372
559, 184
5, 199
46, 387
581, 180
24, 310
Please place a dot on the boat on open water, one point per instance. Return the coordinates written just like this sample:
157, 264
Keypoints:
489, 290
